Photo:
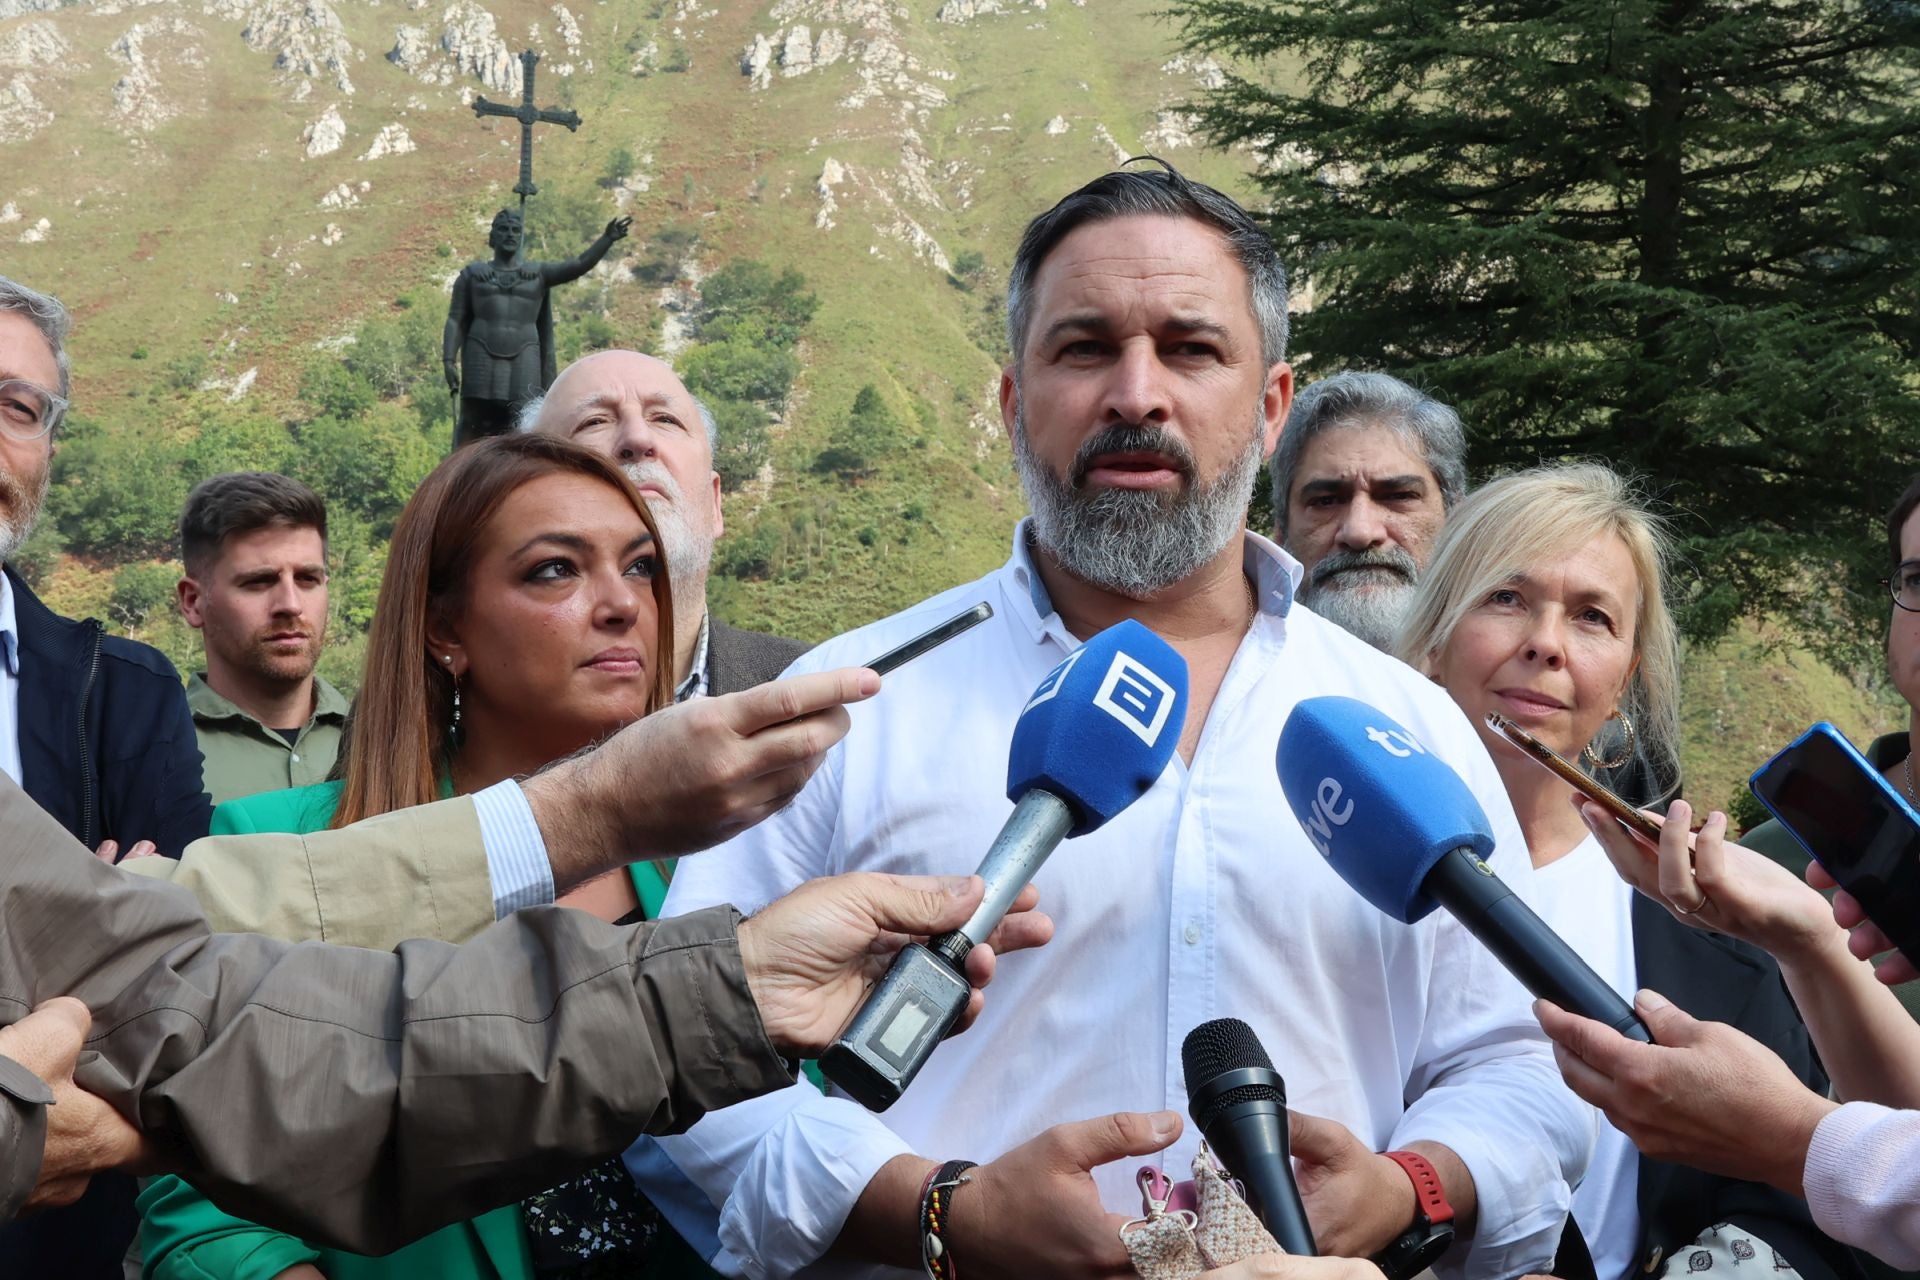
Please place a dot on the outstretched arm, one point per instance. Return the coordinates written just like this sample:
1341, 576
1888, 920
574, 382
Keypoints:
572, 269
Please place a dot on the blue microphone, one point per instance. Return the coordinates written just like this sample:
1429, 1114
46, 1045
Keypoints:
1091, 740
1402, 829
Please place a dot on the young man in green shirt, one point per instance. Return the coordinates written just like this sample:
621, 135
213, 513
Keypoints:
254, 546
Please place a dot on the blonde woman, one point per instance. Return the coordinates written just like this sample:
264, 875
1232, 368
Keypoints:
1544, 602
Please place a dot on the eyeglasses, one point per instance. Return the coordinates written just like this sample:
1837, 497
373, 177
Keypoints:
28, 410
1904, 586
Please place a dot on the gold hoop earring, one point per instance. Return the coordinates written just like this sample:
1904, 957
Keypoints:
1626, 751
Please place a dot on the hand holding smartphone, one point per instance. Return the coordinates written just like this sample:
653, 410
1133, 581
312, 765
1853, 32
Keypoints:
1577, 778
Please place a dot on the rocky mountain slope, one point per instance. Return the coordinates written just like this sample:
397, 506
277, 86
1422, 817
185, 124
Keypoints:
225, 190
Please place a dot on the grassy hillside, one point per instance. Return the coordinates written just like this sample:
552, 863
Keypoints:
888, 155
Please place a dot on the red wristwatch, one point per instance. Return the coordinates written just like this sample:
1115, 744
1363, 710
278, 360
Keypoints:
1427, 1191
1416, 1248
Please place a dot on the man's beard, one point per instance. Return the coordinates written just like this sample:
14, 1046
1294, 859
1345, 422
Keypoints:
22, 510
1366, 592
1135, 542
282, 668
688, 550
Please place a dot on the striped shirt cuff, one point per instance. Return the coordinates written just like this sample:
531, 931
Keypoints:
516, 854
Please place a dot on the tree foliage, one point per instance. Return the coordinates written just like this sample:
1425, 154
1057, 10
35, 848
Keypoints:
1670, 234
855, 447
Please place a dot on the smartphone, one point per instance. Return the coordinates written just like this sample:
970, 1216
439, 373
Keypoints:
1577, 778
1853, 823
933, 639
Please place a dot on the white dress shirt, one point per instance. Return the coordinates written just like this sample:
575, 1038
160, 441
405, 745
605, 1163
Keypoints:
517, 861
1586, 902
1202, 900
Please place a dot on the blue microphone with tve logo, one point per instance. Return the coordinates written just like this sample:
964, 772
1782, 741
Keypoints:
1093, 738
1402, 829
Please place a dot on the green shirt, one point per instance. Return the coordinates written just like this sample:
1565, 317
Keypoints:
244, 757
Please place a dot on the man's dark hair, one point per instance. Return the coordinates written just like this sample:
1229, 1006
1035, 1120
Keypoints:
240, 502
1165, 192
1897, 519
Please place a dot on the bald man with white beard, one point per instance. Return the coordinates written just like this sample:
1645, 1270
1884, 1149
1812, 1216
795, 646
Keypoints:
634, 410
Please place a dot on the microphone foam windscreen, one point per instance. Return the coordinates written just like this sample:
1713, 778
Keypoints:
1377, 805
1214, 1048
1103, 724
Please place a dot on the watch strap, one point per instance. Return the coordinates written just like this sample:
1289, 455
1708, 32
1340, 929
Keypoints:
1430, 1198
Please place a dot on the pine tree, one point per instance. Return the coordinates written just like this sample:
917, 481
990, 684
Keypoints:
1678, 236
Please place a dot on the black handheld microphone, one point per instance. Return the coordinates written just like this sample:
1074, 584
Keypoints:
1240, 1104
1402, 829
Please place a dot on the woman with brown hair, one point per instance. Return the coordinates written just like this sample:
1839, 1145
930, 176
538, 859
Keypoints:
524, 614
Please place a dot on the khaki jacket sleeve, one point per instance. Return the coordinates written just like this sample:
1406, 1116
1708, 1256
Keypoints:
362, 1098
414, 873
23, 1132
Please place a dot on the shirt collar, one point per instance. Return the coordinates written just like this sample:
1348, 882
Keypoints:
207, 704
1275, 576
696, 684
9, 629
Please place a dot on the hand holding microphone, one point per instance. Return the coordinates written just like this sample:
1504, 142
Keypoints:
1094, 737
1401, 828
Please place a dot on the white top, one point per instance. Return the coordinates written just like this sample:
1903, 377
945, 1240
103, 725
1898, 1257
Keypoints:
1587, 903
9, 684
1863, 1181
1204, 899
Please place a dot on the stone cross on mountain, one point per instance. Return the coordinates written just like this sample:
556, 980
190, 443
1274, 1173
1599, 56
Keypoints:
528, 115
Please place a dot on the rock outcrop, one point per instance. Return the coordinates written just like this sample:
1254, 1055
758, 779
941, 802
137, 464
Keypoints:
35, 44
21, 113
305, 37
324, 136
137, 101
471, 39
392, 140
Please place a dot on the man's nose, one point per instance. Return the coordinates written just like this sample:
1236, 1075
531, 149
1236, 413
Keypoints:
636, 441
1363, 526
1136, 386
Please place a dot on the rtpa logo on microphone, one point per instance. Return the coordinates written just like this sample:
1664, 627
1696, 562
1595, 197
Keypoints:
1136, 697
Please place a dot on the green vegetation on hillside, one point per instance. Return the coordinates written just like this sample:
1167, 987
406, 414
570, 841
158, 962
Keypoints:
1674, 237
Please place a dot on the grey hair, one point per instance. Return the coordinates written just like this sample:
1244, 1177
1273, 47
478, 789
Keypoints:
707, 420
49, 317
1165, 193
1356, 399
527, 419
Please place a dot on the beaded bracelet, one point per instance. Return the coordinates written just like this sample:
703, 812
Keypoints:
936, 1198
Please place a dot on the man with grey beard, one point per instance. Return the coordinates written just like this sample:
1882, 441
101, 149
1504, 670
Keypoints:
1364, 475
633, 409
1147, 326
93, 727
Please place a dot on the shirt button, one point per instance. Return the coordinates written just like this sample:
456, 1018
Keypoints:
1192, 934
1653, 1260
296, 757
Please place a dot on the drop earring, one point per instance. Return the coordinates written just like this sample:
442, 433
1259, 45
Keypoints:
453, 730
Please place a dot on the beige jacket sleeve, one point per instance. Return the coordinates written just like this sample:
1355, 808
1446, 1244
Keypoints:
415, 873
363, 1098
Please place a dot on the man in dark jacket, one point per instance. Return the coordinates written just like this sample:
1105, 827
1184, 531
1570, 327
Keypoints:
95, 728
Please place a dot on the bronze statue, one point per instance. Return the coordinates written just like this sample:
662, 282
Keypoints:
500, 327
500, 323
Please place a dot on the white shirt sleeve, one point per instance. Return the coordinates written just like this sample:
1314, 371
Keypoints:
1863, 1180
1485, 1085
516, 853
782, 1171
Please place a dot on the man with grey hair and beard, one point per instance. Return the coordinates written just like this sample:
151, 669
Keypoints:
1146, 318
1364, 475
634, 410
93, 727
